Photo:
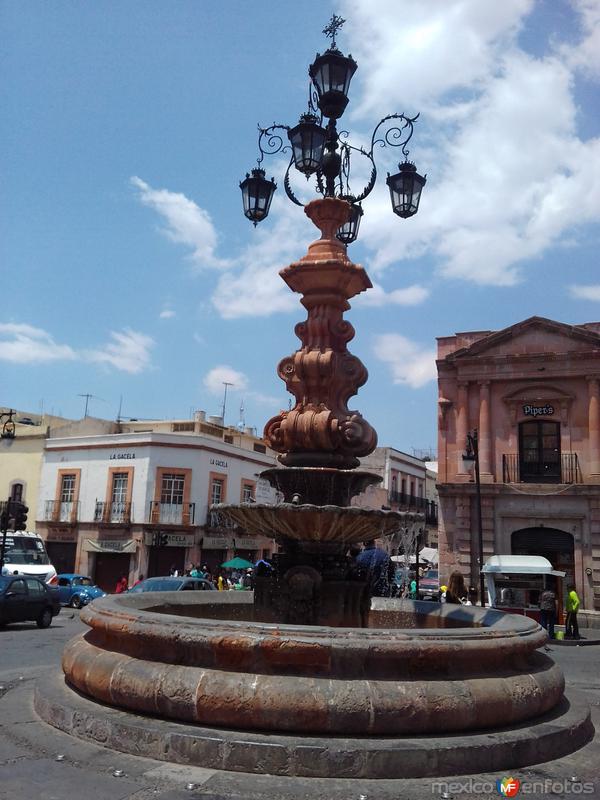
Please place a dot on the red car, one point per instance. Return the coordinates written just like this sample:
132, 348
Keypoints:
429, 585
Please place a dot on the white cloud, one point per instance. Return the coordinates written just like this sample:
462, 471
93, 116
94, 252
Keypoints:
186, 223
590, 292
410, 363
410, 56
128, 351
25, 344
255, 289
377, 296
586, 54
221, 374
509, 175
167, 313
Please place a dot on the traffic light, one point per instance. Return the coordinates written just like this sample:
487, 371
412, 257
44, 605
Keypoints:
4, 517
20, 514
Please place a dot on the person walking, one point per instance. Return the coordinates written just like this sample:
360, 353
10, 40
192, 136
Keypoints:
122, 585
548, 610
571, 626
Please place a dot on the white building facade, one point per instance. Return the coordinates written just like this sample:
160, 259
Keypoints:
137, 503
407, 485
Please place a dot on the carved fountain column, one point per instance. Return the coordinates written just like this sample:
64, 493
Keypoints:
320, 431
320, 440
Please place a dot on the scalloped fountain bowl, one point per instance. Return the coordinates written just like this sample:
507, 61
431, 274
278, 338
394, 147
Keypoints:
320, 525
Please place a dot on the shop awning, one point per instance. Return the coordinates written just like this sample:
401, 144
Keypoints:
109, 546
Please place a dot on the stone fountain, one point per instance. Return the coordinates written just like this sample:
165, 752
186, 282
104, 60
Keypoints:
312, 677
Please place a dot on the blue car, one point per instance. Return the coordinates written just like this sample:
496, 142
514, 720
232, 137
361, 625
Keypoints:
76, 590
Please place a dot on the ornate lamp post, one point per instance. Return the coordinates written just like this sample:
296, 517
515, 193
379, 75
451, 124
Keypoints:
472, 457
7, 425
317, 150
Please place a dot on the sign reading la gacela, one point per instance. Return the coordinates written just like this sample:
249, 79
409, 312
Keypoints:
538, 411
121, 455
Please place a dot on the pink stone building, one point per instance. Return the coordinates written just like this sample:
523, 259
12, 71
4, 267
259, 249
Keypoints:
532, 392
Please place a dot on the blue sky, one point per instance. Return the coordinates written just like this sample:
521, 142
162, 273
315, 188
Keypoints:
129, 270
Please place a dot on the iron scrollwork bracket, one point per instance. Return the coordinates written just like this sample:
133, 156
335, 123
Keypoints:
270, 143
395, 136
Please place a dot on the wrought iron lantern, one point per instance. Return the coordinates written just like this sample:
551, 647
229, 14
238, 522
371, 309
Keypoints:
317, 149
348, 232
257, 193
308, 140
405, 190
331, 74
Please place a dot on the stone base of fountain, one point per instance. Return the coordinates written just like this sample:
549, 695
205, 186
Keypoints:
555, 734
425, 689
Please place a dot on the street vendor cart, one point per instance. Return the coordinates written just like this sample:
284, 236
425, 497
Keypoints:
514, 584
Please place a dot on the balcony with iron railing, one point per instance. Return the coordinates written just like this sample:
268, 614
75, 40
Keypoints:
181, 514
431, 513
58, 511
114, 513
407, 502
217, 523
563, 469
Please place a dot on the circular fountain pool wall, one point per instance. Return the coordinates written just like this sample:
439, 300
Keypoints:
418, 668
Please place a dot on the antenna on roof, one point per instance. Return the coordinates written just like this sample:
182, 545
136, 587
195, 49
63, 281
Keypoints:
225, 384
242, 422
89, 397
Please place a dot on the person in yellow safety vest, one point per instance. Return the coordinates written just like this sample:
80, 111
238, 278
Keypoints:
571, 627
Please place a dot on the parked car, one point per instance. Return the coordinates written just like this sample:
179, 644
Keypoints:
76, 590
23, 598
429, 585
170, 584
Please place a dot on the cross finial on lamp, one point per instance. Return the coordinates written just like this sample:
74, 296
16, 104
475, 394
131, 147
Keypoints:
335, 23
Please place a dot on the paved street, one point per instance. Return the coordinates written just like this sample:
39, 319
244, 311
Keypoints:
29, 748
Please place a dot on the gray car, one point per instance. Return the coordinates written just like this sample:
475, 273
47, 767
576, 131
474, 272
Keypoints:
170, 584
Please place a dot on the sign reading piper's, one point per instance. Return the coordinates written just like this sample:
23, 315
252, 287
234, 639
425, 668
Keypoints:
538, 411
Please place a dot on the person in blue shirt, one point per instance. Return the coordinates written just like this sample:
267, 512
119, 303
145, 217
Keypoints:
374, 567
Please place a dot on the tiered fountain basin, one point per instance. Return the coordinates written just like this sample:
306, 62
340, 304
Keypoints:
426, 689
322, 526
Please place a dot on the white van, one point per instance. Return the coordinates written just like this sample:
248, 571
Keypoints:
25, 553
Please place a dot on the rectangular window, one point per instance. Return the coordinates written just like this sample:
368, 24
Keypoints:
172, 489
259, 448
216, 491
183, 426
67, 489
119, 487
247, 493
